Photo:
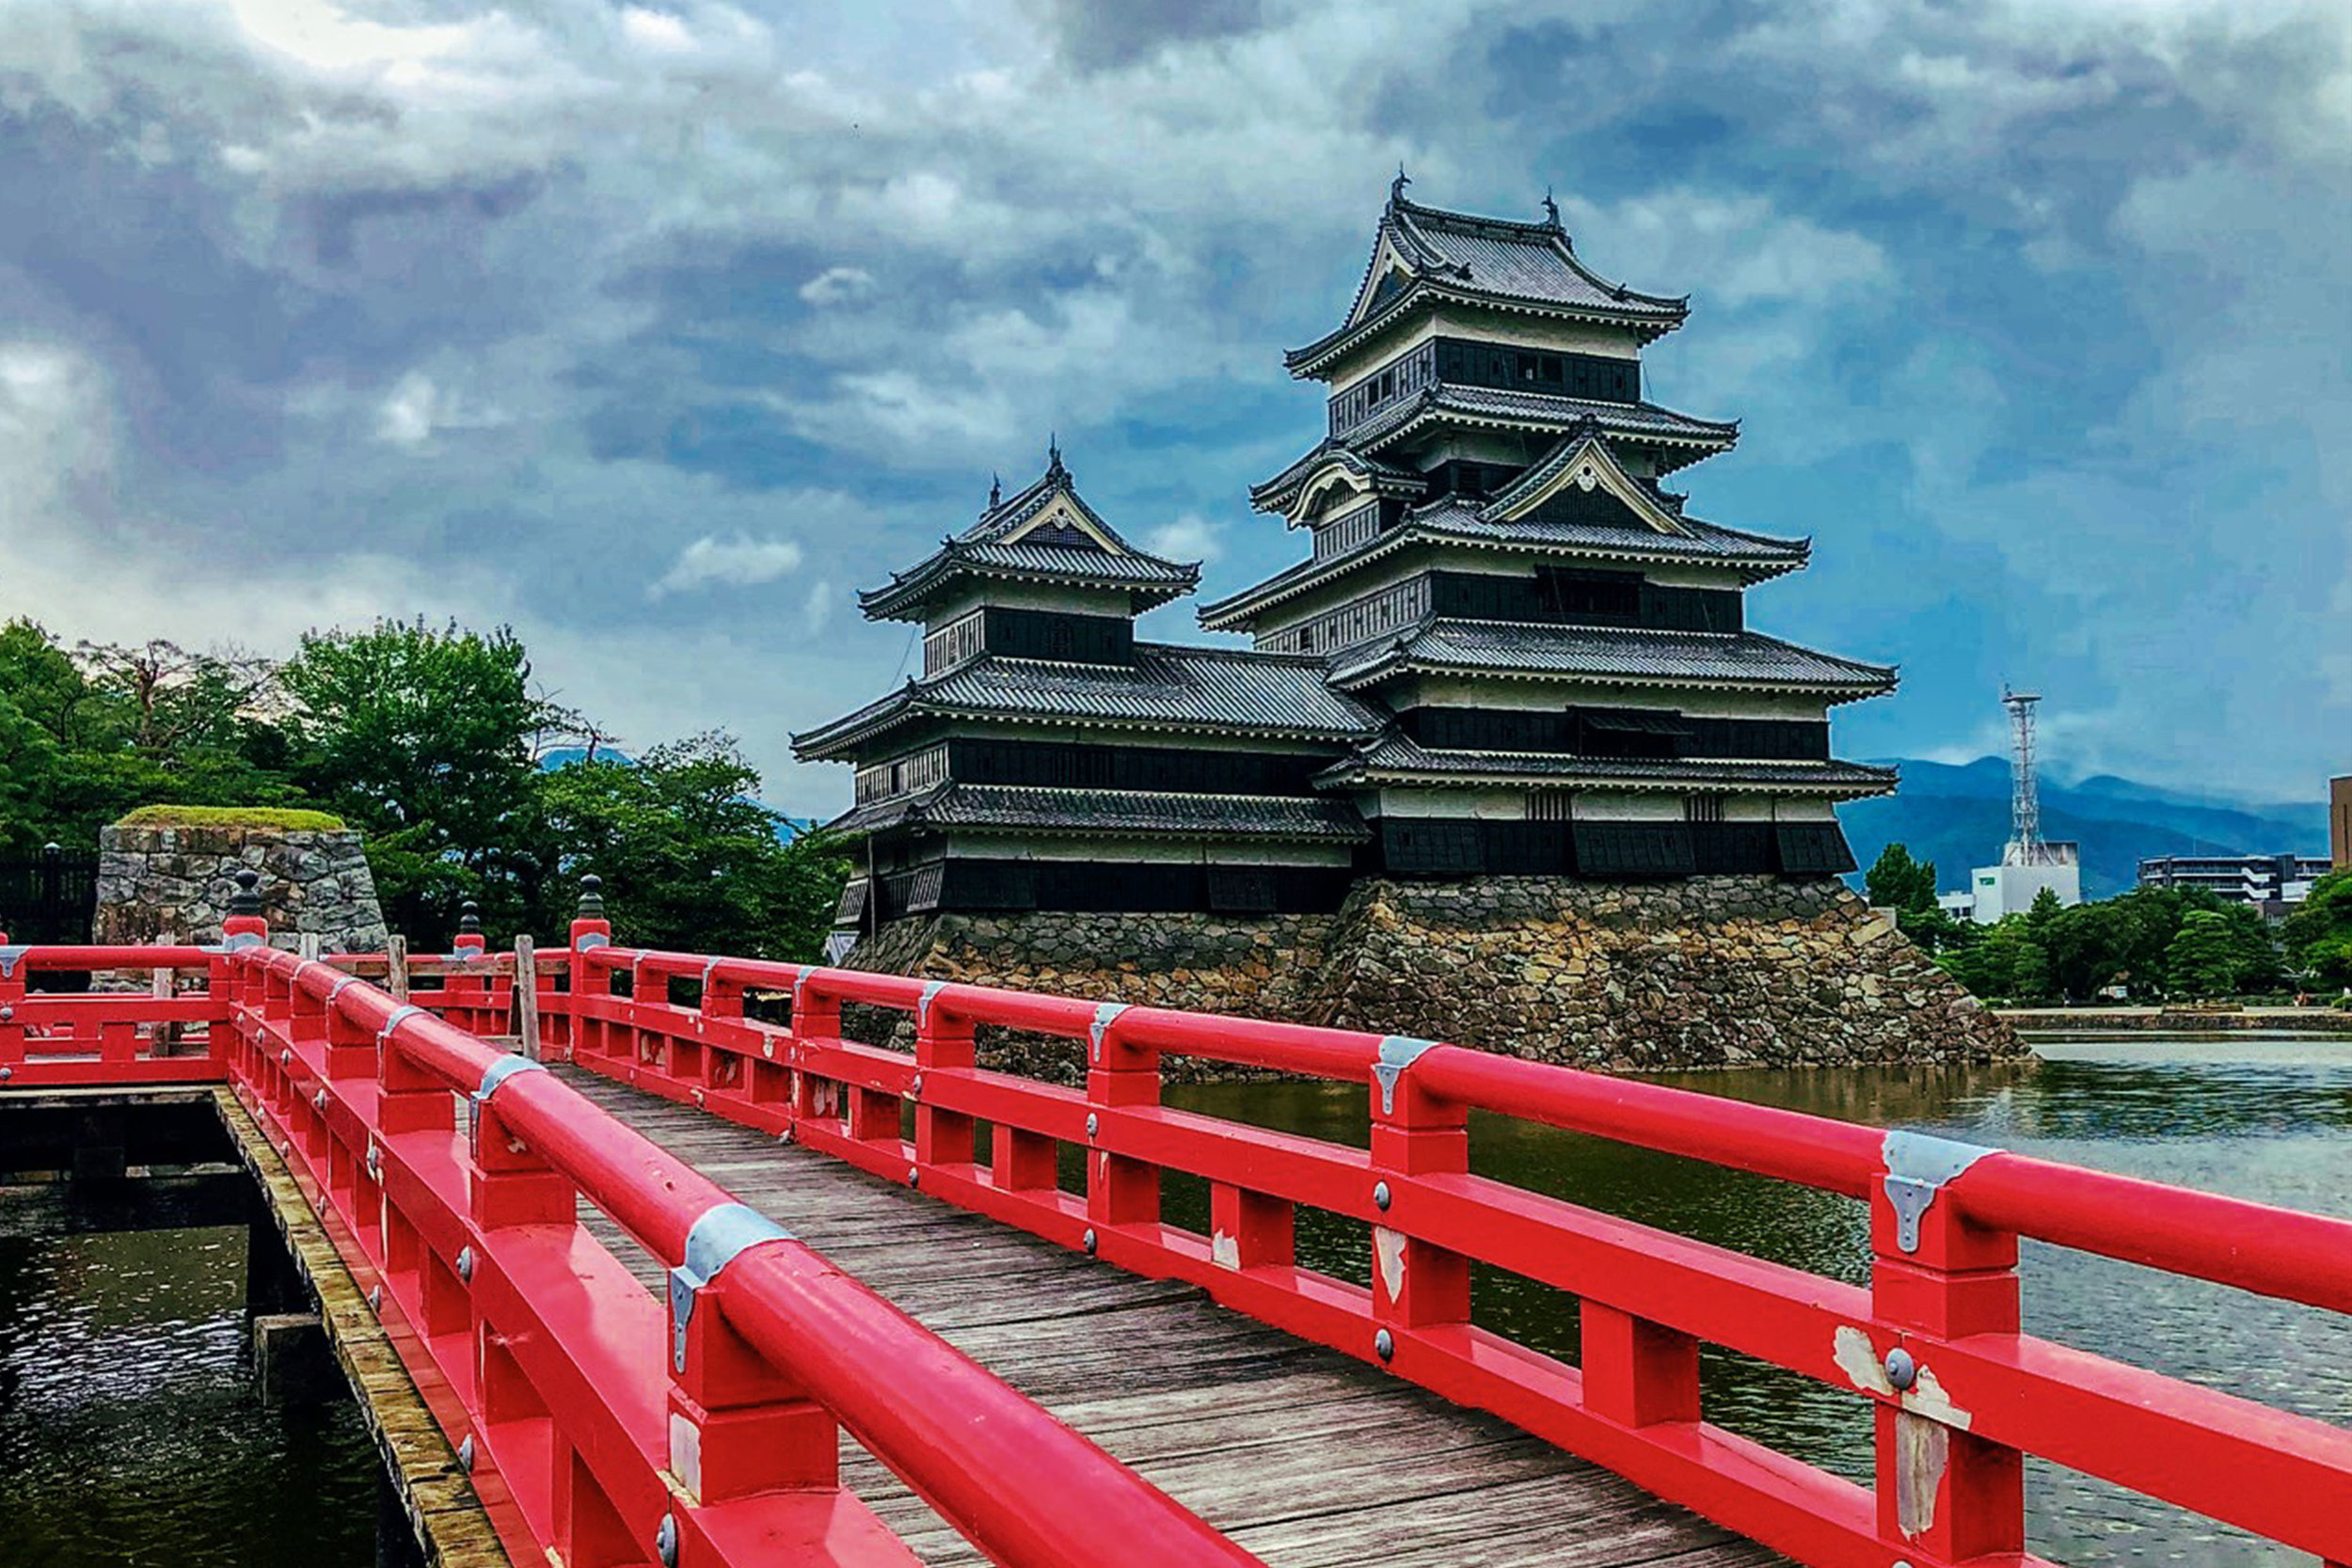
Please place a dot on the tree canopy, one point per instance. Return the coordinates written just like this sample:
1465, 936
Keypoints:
1899, 882
432, 741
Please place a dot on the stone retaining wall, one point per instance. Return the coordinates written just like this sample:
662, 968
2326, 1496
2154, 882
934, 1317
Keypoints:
173, 884
1711, 971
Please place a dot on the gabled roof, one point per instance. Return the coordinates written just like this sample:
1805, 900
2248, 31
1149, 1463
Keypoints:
1619, 655
1333, 459
1013, 808
1046, 533
1170, 686
1397, 758
1424, 255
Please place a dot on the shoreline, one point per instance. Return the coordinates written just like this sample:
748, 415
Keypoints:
2321, 1022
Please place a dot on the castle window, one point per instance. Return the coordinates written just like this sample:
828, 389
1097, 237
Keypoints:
1702, 808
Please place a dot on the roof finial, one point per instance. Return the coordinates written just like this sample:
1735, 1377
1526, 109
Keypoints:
1552, 207
1396, 187
996, 491
1053, 454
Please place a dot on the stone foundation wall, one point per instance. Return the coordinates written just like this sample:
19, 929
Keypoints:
172, 884
1710, 971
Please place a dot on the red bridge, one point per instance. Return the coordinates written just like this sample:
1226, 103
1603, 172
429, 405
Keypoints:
1135, 1393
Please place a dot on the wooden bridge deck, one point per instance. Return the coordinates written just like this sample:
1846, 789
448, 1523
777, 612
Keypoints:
1300, 1454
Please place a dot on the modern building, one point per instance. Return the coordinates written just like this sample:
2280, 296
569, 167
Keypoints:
2272, 883
2010, 887
2339, 822
1508, 649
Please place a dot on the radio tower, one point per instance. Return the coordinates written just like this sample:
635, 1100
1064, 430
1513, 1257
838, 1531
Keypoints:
2024, 846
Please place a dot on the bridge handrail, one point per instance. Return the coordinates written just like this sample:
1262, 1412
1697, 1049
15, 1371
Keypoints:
2282, 1253
1942, 1312
1022, 1485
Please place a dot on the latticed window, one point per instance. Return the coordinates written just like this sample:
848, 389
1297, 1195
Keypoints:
1550, 806
953, 643
1702, 808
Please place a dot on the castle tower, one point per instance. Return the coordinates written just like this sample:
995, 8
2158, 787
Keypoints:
1560, 648
1047, 759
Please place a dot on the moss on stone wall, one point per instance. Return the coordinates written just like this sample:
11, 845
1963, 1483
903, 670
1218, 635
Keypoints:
231, 817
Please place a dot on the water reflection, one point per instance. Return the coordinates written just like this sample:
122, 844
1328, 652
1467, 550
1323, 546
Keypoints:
2265, 1119
129, 1432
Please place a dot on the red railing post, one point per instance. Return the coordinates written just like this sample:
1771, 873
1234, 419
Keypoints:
1119, 1076
589, 930
943, 1042
1415, 1283
813, 1016
11, 995
1942, 1490
738, 1424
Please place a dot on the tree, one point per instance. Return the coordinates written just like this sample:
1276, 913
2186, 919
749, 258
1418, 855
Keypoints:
2318, 936
423, 738
688, 858
1899, 882
2203, 958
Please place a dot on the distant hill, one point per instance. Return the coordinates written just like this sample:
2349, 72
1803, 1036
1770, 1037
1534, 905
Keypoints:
1958, 817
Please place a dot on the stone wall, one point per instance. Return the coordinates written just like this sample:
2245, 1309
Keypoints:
1710, 971
172, 884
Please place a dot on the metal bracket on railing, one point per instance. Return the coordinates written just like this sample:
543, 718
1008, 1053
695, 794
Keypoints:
923, 1004
11, 956
798, 981
707, 969
400, 1015
1917, 1166
591, 938
500, 1071
1101, 1027
239, 941
337, 990
724, 1233
1397, 1052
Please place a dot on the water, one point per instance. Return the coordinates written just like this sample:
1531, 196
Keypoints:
2263, 1118
129, 1434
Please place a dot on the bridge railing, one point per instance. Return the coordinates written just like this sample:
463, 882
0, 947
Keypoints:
161, 1035
1934, 1344
599, 1424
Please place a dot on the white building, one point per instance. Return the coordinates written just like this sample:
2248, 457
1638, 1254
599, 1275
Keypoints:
1994, 891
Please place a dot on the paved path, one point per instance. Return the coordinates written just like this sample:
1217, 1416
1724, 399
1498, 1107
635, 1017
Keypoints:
1306, 1457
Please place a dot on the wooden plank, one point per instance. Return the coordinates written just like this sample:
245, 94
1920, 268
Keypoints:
396, 968
1308, 1458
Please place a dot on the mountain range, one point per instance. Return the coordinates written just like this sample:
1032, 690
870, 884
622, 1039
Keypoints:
1958, 817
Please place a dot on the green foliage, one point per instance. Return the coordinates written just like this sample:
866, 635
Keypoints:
2202, 960
1899, 882
428, 740
291, 818
689, 860
2054, 952
423, 738
90, 732
2318, 936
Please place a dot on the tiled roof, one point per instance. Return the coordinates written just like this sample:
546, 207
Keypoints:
1169, 686
1398, 757
1066, 555
1757, 556
1008, 808
1636, 422
1629, 654
1487, 260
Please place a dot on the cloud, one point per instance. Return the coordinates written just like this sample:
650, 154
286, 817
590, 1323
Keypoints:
1190, 537
741, 561
839, 286
2027, 311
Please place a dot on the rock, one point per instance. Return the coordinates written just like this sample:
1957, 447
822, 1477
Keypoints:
173, 885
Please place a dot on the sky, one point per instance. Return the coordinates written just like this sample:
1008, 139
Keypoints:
657, 330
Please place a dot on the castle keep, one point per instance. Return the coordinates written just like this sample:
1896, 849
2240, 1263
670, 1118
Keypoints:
1509, 649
